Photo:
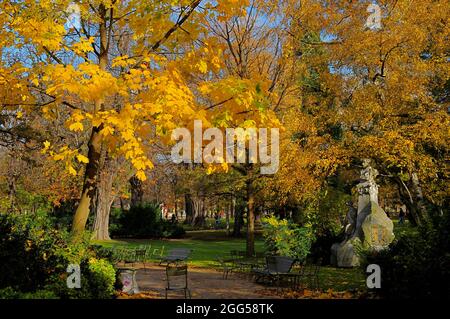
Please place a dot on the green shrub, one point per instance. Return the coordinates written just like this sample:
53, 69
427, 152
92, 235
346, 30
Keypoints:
35, 257
416, 265
102, 277
145, 222
27, 251
98, 279
285, 238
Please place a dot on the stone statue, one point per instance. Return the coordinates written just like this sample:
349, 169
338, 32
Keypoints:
369, 225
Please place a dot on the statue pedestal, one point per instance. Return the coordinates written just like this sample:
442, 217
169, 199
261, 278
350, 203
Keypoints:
128, 279
372, 229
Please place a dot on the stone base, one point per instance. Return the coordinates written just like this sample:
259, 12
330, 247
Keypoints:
344, 254
377, 228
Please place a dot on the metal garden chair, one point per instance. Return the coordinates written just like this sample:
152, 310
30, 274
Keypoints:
177, 279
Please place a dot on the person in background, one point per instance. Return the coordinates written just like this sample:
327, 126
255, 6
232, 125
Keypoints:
401, 216
217, 220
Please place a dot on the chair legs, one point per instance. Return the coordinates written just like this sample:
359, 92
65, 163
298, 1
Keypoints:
187, 292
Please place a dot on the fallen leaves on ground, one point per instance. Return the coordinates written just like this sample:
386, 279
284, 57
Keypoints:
313, 294
141, 295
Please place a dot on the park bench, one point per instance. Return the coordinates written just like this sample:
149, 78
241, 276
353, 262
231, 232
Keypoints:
176, 255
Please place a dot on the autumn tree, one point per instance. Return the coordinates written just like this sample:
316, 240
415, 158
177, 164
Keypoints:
378, 91
118, 72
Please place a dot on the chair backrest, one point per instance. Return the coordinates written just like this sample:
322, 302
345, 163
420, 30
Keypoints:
279, 264
271, 263
176, 276
284, 264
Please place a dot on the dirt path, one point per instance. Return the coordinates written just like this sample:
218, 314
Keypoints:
203, 283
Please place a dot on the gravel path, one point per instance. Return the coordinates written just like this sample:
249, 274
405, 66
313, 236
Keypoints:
203, 283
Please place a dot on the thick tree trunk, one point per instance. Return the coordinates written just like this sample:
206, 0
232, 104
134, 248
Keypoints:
92, 168
104, 200
89, 185
137, 193
250, 219
199, 212
189, 211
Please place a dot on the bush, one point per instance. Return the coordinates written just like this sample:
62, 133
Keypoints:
145, 222
35, 257
285, 238
27, 251
98, 278
416, 265
102, 277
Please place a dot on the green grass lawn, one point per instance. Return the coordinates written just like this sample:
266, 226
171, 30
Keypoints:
206, 245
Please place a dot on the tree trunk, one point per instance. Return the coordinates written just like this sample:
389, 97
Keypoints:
104, 200
411, 196
199, 212
227, 217
189, 211
89, 185
12, 192
250, 219
137, 193
94, 152
237, 219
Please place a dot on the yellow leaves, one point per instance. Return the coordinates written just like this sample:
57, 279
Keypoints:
141, 176
65, 155
140, 163
123, 61
82, 159
88, 82
72, 171
230, 8
107, 130
202, 66
46, 145
83, 46
42, 31
77, 126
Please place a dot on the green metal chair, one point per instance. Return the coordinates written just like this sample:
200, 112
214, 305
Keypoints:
177, 279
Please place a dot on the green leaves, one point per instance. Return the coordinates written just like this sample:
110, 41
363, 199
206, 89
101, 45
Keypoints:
285, 238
